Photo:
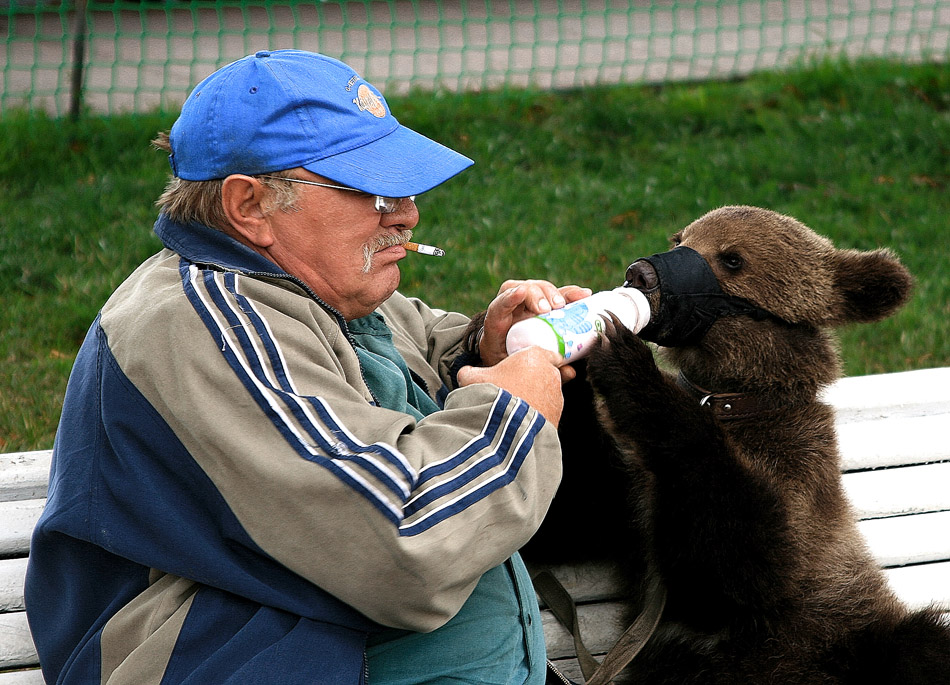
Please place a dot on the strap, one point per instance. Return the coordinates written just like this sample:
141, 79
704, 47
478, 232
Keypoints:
728, 406
635, 637
562, 606
632, 640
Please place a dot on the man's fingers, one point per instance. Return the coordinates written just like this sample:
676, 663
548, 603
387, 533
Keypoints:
572, 293
537, 296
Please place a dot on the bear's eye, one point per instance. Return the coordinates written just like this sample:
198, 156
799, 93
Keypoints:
676, 239
731, 261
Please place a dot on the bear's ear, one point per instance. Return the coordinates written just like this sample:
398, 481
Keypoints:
869, 285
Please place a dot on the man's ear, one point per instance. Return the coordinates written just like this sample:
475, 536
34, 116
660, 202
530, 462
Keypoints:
242, 199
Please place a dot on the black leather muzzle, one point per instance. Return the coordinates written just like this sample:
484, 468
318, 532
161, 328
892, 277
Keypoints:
691, 300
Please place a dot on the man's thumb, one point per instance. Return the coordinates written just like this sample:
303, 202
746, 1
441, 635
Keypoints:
468, 375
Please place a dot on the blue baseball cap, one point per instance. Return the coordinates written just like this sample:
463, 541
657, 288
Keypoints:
284, 109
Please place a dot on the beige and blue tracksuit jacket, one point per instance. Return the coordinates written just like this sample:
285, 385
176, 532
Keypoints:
229, 503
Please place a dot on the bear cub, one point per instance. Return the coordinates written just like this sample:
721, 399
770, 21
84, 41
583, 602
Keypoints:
732, 472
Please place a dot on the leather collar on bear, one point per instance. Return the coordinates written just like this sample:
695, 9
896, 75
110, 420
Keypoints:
728, 406
690, 299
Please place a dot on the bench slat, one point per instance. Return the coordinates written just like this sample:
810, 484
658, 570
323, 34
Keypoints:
19, 518
24, 475
899, 491
904, 540
34, 677
893, 441
912, 393
922, 585
585, 581
12, 575
601, 624
16, 644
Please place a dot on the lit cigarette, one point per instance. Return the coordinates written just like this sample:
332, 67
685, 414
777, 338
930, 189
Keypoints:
425, 249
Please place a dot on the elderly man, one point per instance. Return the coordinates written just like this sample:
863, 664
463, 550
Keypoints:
271, 466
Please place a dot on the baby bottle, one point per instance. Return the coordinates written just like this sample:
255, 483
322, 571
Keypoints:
571, 330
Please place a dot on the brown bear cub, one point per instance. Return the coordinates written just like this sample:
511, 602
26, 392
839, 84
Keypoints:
733, 463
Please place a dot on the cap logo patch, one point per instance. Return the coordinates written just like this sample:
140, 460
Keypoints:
368, 101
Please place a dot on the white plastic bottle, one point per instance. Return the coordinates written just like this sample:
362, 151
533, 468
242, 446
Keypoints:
571, 330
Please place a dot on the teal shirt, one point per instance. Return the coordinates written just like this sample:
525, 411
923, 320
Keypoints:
385, 371
496, 637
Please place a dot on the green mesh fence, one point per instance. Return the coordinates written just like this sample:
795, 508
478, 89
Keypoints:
120, 56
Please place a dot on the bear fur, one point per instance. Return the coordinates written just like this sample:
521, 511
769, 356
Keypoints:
743, 518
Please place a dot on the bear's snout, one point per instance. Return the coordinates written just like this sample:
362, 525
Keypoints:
642, 276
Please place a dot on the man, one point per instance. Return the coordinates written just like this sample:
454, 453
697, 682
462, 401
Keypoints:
272, 467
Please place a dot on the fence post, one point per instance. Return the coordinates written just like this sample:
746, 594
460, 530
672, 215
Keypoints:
79, 57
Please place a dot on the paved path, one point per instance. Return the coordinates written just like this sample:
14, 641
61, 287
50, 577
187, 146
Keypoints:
141, 60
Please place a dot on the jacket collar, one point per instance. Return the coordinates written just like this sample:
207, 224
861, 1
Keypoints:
204, 245
200, 244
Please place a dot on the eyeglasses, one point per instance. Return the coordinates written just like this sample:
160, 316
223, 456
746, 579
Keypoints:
383, 204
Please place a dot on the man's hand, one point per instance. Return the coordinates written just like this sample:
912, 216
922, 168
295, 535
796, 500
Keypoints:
517, 300
531, 374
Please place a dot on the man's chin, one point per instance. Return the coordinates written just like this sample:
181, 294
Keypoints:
386, 278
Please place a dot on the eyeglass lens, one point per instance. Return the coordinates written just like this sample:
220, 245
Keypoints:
388, 205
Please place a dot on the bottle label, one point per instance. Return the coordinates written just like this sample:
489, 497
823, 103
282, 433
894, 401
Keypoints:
572, 330
557, 334
571, 326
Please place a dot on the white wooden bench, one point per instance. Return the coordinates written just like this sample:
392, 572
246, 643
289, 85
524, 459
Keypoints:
894, 433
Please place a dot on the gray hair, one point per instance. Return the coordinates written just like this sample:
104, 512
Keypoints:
200, 201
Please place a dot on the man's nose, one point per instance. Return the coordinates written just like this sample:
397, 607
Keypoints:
405, 216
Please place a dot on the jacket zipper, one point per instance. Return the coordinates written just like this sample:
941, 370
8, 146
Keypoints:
557, 674
341, 322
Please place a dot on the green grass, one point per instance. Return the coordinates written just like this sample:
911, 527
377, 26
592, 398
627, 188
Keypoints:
568, 186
